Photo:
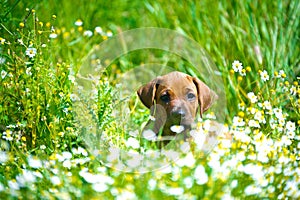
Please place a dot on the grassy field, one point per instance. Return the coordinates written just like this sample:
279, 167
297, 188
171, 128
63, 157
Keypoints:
43, 152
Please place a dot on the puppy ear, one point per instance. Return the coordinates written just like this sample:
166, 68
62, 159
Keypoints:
205, 95
147, 93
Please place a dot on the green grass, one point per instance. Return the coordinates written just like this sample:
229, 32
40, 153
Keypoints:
42, 151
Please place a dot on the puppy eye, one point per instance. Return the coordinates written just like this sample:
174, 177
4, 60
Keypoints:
191, 96
165, 98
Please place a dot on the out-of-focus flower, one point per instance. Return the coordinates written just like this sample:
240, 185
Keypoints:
132, 142
53, 35
99, 30
88, 33
34, 162
78, 22
200, 175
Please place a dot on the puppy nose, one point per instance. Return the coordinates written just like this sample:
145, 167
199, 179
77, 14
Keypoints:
178, 112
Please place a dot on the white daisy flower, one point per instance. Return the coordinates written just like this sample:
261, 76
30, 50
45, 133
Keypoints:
264, 75
237, 121
3, 74
78, 22
252, 97
237, 66
290, 126
88, 33
253, 123
30, 52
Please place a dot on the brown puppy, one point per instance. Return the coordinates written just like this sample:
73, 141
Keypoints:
174, 99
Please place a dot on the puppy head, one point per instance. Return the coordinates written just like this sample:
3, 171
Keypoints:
179, 94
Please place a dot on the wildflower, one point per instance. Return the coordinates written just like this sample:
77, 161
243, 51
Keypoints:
43, 147
265, 105
53, 35
237, 66
188, 161
27, 177
20, 41
2, 60
2, 40
61, 134
71, 78
78, 22
66, 110
198, 137
100, 187
293, 90
67, 164
98, 30
13, 185
253, 123
109, 33
34, 163
88, 33
290, 126
74, 97
278, 113
30, 52
95, 178
251, 190
188, 182
243, 72
7, 135
281, 74
149, 135
241, 114
152, 184
237, 121
200, 175
241, 106
252, 97
175, 191
132, 142
177, 129
3, 74
28, 71
66, 155
3, 157
260, 117
55, 180
210, 115
152, 118
264, 75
